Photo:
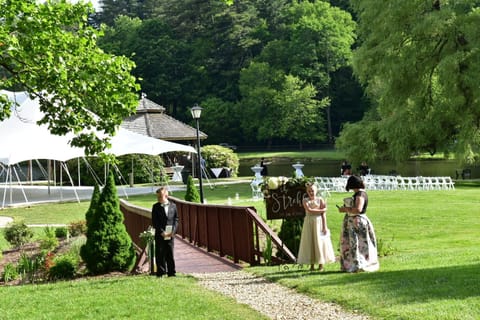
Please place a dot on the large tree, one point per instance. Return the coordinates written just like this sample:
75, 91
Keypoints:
419, 63
195, 50
314, 40
49, 50
277, 105
162, 59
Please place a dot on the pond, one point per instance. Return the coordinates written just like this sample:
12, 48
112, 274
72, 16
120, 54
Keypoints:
331, 168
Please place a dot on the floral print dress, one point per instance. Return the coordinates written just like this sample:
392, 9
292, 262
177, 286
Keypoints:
358, 243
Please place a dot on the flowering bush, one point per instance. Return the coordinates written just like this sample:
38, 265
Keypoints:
148, 236
219, 157
48, 263
147, 239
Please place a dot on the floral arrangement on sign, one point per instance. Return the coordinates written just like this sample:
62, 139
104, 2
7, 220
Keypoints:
270, 184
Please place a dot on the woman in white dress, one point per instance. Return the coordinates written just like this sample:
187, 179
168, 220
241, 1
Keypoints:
315, 243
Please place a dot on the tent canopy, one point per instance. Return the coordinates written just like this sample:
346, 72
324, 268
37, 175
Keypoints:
23, 139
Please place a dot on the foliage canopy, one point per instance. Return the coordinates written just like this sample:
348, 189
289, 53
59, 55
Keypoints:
49, 50
419, 63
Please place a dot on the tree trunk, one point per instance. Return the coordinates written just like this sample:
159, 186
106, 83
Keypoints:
329, 125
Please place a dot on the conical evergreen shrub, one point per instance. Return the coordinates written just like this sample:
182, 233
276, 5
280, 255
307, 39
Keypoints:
192, 193
108, 247
93, 204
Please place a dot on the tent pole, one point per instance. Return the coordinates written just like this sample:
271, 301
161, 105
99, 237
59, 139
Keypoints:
71, 181
30, 171
21, 186
55, 173
49, 164
92, 172
61, 181
44, 173
132, 176
115, 168
6, 184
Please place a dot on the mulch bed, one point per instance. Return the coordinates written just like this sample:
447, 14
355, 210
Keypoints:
14, 255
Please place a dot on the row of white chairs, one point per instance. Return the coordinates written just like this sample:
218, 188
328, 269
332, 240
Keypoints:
383, 182
327, 184
408, 183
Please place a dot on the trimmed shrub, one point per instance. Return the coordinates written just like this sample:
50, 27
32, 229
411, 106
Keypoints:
93, 204
64, 268
192, 193
77, 228
61, 232
17, 233
108, 247
29, 267
9, 273
49, 241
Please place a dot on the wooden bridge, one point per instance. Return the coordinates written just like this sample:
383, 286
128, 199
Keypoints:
235, 234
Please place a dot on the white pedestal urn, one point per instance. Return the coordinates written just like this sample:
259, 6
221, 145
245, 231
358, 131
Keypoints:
298, 169
177, 173
255, 184
257, 169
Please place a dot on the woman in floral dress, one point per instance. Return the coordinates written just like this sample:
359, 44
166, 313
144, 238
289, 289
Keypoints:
358, 244
315, 243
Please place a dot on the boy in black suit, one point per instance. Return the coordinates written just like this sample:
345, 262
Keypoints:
165, 222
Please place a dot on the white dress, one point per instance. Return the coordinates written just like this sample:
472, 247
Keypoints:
315, 247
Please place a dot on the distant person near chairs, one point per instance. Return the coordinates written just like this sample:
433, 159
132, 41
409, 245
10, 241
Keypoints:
364, 169
465, 174
264, 171
346, 169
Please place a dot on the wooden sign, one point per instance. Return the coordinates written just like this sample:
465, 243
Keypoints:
285, 202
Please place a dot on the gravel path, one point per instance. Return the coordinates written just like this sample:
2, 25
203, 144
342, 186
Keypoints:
271, 299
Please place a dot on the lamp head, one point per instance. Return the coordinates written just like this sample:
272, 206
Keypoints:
196, 111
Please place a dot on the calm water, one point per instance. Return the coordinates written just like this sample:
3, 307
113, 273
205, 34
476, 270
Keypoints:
331, 168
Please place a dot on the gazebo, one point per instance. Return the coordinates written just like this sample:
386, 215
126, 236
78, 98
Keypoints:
151, 120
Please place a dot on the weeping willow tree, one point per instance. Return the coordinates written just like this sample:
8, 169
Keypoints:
418, 61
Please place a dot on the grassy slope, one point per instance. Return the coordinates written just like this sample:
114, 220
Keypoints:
138, 297
433, 272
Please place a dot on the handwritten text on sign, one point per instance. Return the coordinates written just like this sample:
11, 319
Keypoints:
285, 203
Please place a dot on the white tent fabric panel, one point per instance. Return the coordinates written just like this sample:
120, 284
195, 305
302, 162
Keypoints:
21, 139
127, 142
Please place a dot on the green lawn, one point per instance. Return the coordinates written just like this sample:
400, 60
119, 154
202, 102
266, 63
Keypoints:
135, 297
328, 154
431, 273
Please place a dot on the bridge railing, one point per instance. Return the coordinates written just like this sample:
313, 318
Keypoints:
234, 232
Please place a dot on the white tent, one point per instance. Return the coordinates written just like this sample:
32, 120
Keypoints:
22, 139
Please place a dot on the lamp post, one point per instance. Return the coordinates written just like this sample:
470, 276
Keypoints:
196, 111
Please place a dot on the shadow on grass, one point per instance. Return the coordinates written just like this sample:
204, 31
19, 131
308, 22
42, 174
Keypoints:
414, 285
472, 183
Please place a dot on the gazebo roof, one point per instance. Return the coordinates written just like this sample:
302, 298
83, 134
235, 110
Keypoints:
151, 120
